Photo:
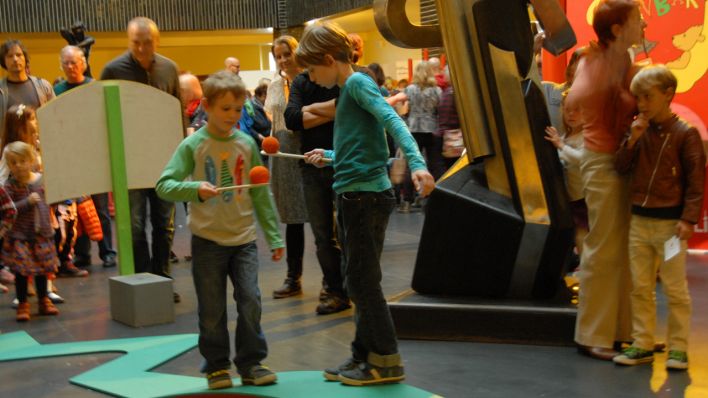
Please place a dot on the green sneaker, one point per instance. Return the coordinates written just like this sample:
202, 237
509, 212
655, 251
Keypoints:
257, 375
366, 374
332, 374
219, 379
634, 356
678, 360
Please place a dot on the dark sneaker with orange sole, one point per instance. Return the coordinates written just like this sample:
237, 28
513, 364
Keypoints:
366, 374
219, 379
332, 374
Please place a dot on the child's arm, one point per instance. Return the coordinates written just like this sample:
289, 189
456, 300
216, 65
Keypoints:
8, 212
171, 185
265, 209
693, 162
368, 96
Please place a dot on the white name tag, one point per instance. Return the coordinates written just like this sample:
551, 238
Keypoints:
672, 247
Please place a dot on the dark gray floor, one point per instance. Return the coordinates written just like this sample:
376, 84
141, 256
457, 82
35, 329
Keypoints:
301, 340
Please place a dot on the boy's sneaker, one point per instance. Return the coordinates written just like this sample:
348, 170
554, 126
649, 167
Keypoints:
332, 374
634, 356
678, 360
366, 374
219, 379
257, 375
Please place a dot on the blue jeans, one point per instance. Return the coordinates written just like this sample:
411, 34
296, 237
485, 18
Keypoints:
212, 264
82, 249
362, 219
319, 199
162, 218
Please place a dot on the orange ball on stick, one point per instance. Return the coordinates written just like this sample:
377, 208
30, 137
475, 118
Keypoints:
270, 144
259, 174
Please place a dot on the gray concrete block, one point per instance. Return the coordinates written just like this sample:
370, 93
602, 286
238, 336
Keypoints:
141, 299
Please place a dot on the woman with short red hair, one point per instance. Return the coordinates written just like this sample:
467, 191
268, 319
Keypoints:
601, 92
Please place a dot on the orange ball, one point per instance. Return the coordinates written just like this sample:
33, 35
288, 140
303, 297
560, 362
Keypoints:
270, 144
259, 175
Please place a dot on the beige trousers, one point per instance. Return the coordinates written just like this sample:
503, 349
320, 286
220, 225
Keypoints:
603, 309
646, 257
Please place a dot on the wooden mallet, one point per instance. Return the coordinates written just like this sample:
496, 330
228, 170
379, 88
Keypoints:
271, 147
259, 177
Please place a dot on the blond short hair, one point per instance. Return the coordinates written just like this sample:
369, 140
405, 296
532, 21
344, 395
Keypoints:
223, 82
324, 39
658, 76
423, 75
21, 149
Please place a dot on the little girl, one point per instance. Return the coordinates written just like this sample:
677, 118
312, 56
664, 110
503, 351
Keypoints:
21, 125
28, 249
570, 147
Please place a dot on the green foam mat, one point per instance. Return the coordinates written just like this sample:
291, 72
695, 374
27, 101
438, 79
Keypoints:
129, 375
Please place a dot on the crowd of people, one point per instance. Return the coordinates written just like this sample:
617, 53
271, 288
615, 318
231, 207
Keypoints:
224, 126
611, 120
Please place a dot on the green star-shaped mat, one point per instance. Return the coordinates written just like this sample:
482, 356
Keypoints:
130, 376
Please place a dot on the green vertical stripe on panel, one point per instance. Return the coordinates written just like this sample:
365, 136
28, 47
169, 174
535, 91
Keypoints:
119, 173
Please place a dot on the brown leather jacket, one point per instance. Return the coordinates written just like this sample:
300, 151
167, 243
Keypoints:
667, 166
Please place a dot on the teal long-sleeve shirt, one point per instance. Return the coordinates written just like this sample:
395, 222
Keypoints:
227, 219
360, 150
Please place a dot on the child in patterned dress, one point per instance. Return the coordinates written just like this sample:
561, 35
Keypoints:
28, 248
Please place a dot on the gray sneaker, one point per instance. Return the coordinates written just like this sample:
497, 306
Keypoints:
332, 374
257, 375
366, 374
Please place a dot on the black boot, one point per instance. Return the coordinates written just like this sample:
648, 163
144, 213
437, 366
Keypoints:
291, 287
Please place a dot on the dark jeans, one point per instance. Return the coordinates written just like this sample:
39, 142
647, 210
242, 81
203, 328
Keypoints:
295, 247
320, 198
82, 248
212, 264
162, 217
362, 219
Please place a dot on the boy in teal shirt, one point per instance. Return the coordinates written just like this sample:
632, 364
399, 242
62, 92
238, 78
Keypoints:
364, 197
224, 232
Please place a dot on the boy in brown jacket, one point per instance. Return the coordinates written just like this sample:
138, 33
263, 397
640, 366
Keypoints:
664, 156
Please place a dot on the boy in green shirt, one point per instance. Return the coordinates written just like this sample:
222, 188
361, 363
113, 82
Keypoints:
224, 232
364, 197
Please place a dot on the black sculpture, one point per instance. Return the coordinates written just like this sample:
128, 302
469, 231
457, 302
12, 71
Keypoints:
498, 226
